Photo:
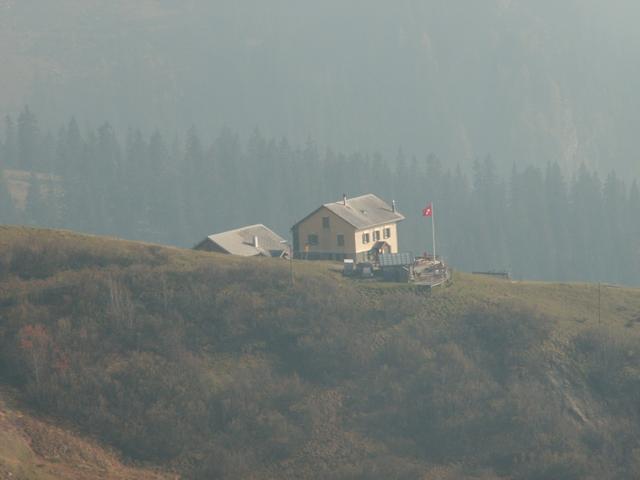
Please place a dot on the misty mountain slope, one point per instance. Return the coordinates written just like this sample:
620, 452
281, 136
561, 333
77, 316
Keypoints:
217, 367
525, 82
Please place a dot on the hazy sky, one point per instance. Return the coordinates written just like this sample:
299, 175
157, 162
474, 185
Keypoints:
523, 81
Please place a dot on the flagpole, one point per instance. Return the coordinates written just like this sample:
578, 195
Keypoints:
433, 231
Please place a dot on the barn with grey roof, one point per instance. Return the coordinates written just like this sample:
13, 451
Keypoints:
249, 241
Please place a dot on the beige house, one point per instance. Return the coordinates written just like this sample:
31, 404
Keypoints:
358, 228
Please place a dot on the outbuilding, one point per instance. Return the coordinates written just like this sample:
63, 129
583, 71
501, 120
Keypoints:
249, 241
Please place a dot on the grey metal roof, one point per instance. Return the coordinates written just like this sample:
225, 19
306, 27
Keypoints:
365, 211
241, 241
395, 259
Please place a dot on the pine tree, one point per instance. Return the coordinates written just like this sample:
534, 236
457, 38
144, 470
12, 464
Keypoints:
105, 177
227, 157
70, 164
161, 191
28, 140
539, 262
194, 186
632, 236
460, 248
132, 207
8, 212
615, 250
586, 226
556, 207
10, 150
37, 209
489, 213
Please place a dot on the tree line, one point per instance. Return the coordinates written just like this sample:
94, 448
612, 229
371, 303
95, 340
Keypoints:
537, 222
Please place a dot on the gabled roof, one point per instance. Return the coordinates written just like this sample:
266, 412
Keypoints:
362, 212
241, 241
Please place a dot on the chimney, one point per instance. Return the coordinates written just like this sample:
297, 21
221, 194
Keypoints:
393, 206
344, 199
255, 241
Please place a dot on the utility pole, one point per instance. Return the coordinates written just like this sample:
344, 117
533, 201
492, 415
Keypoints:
291, 263
429, 212
433, 233
290, 245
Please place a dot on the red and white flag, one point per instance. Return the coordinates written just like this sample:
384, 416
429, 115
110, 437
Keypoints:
428, 210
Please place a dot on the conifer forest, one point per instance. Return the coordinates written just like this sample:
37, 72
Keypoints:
542, 223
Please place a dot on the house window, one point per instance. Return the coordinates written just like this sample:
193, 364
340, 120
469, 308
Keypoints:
376, 235
340, 240
387, 233
312, 239
365, 238
325, 222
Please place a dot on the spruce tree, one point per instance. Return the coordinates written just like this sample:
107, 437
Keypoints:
556, 208
28, 140
37, 209
8, 214
10, 150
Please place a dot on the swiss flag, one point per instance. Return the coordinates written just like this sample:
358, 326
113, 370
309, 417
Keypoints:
428, 210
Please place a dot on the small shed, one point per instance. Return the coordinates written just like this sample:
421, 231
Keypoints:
396, 267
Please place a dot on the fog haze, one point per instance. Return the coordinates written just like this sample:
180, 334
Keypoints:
522, 81
218, 232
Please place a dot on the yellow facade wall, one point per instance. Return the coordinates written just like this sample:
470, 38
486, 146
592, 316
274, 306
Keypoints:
392, 240
328, 237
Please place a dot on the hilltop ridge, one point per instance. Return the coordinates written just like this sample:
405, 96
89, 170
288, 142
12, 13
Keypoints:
217, 367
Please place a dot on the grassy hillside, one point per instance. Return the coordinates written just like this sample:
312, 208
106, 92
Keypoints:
219, 368
36, 449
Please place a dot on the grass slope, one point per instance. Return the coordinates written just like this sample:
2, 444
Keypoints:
217, 367
36, 449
